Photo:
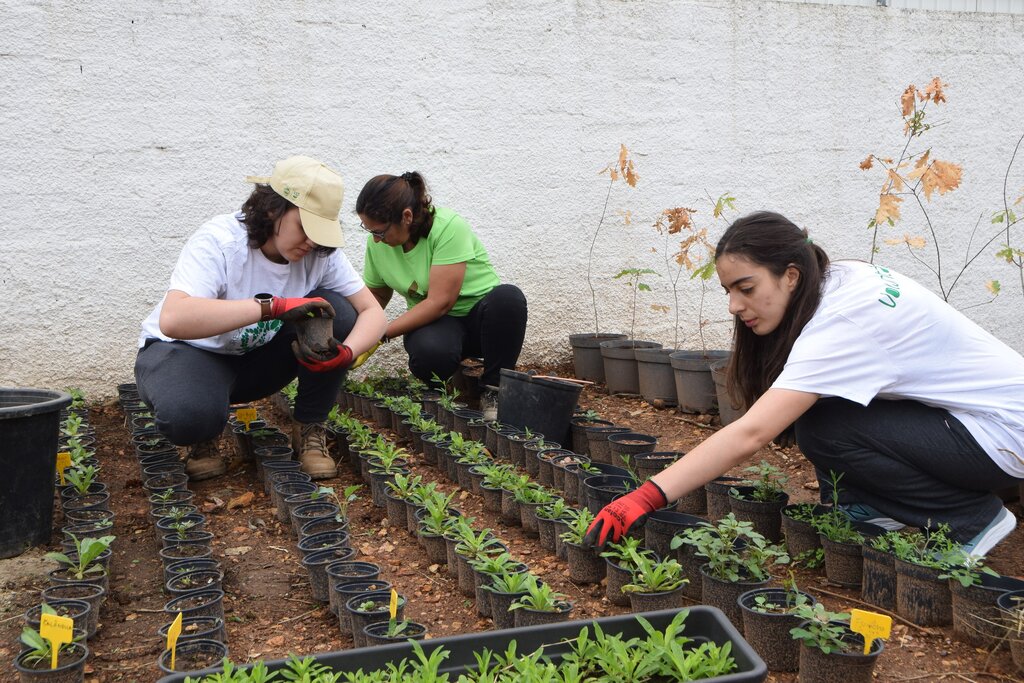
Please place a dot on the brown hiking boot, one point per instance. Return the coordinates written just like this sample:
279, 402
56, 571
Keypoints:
204, 461
314, 457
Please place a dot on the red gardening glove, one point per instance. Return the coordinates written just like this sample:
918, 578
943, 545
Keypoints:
315, 362
298, 308
622, 514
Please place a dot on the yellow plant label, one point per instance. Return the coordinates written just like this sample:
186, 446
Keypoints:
393, 607
63, 462
172, 637
246, 415
871, 625
58, 630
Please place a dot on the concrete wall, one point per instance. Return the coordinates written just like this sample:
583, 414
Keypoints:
123, 126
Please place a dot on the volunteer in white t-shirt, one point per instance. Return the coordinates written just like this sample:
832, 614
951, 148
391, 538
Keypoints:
226, 331
919, 409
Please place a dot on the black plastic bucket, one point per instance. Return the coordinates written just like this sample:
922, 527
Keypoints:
543, 405
29, 424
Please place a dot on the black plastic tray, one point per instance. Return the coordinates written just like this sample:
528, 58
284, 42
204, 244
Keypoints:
703, 622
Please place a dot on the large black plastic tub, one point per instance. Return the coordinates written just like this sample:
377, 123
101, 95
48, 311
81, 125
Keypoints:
703, 622
29, 425
544, 405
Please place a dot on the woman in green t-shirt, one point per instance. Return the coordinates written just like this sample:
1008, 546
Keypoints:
457, 306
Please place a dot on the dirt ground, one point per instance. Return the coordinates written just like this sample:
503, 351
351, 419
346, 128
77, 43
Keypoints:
268, 604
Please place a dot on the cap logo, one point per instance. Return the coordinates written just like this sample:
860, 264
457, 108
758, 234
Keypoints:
289, 192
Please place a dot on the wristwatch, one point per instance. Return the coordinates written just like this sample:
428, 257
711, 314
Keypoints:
266, 302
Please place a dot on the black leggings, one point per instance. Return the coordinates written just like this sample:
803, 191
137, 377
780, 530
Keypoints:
190, 389
493, 329
917, 464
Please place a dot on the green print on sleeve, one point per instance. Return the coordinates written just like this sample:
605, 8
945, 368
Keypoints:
892, 288
257, 335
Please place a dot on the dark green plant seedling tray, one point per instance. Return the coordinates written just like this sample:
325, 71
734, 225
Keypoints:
703, 623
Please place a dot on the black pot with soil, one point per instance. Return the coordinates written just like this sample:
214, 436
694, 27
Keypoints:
662, 525
527, 616
650, 602
196, 628
765, 515
718, 500
603, 489
70, 666
624, 446
878, 583
767, 618
202, 604
921, 596
193, 655
800, 534
849, 666
725, 594
976, 617
370, 608
597, 443
585, 565
578, 428
378, 633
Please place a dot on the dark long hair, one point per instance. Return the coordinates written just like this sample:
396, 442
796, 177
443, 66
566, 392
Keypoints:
385, 197
773, 241
261, 211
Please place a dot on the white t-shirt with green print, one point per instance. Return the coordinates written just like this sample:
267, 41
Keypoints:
218, 263
879, 334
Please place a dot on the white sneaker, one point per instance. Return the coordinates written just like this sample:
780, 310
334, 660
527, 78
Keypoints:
999, 528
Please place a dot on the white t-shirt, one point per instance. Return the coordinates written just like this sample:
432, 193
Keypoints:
218, 263
878, 334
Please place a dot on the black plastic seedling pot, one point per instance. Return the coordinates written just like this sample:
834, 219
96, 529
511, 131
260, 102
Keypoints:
703, 623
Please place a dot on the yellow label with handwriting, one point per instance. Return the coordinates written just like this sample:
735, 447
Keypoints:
246, 415
393, 607
63, 462
871, 625
172, 637
58, 630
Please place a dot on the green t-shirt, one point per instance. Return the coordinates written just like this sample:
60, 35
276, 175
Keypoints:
451, 240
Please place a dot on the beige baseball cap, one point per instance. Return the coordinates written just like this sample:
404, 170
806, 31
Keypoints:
316, 189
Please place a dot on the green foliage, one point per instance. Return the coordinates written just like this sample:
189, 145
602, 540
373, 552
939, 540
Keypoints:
821, 630
734, 551
579, 521
40, 649
654, 576
768, 481
541, 597
86, 552
81, 478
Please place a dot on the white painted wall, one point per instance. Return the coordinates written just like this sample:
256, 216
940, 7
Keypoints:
123, 126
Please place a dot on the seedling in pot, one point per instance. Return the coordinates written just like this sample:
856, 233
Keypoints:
347, 497
834, 524
734, 551
541, 597
768, 481
624, 552
81, 478
77, 399
511, 583
969, 573
72, 426
794, 599
556, 509
448, 394
86, 552
579, 521
821, 630
810, 559
40, 649
494, 564
654, 576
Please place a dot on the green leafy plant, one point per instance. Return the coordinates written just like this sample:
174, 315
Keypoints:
654, 576
768, 481
734, 551
81, 478
541, 597
511, 583
554, 509
579, 521
833, 523
40, 649
343, 501
969, 573
821, 629
77, 399
792, 600
84, 561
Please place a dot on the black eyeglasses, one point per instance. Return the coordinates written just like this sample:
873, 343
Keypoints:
379, 234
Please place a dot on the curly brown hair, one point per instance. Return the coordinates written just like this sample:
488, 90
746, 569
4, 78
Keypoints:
260, 214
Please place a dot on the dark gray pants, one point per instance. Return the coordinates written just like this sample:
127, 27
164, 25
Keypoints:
494, 329
914, 463
191, 389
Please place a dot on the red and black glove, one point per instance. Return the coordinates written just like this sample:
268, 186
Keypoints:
622, 514
298, 308
317, 362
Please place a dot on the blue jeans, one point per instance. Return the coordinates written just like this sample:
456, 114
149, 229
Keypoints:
912, 462
190, 389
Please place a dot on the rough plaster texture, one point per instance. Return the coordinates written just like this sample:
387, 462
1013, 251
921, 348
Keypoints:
124, 126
